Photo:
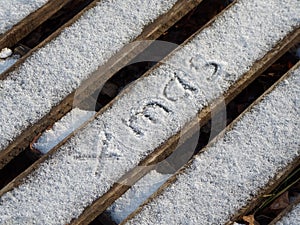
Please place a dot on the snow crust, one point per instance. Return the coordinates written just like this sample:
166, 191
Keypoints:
62, 128
221, 181
56, 70
136, 195
8, 62
292, 218
156, 107
13, 11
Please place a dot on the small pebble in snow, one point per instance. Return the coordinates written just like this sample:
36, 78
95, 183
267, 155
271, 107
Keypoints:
5, 52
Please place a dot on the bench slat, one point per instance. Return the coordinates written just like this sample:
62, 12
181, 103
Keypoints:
290, 216
23, 17
235, 167
81, 170
46, 82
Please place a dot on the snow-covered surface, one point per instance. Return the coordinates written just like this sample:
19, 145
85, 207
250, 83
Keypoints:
13, 11
5, 52
136, 195
89, 163
62, 128
8, 62
292, 218
221, 181
56, 70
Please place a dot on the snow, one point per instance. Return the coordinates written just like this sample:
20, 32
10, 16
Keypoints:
56, 70
13, 11
229, 173
292, 218
136, 195
8, 62
5, 52
154, 109
61, 129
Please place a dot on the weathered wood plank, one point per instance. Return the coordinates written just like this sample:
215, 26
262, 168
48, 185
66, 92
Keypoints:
152, 31
32, 21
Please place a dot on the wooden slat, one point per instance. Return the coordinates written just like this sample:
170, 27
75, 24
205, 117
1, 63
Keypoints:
270, 187
152, 31
31, 22
203, 117
16, 66
273, 183
167, 148
286, 211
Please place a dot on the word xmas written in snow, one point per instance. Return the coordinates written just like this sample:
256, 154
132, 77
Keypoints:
147, 115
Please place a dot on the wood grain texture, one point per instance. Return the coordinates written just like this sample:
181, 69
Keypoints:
203, 116
16, 66
286, 211
104, 72
273, 183
29, 23
123, 57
